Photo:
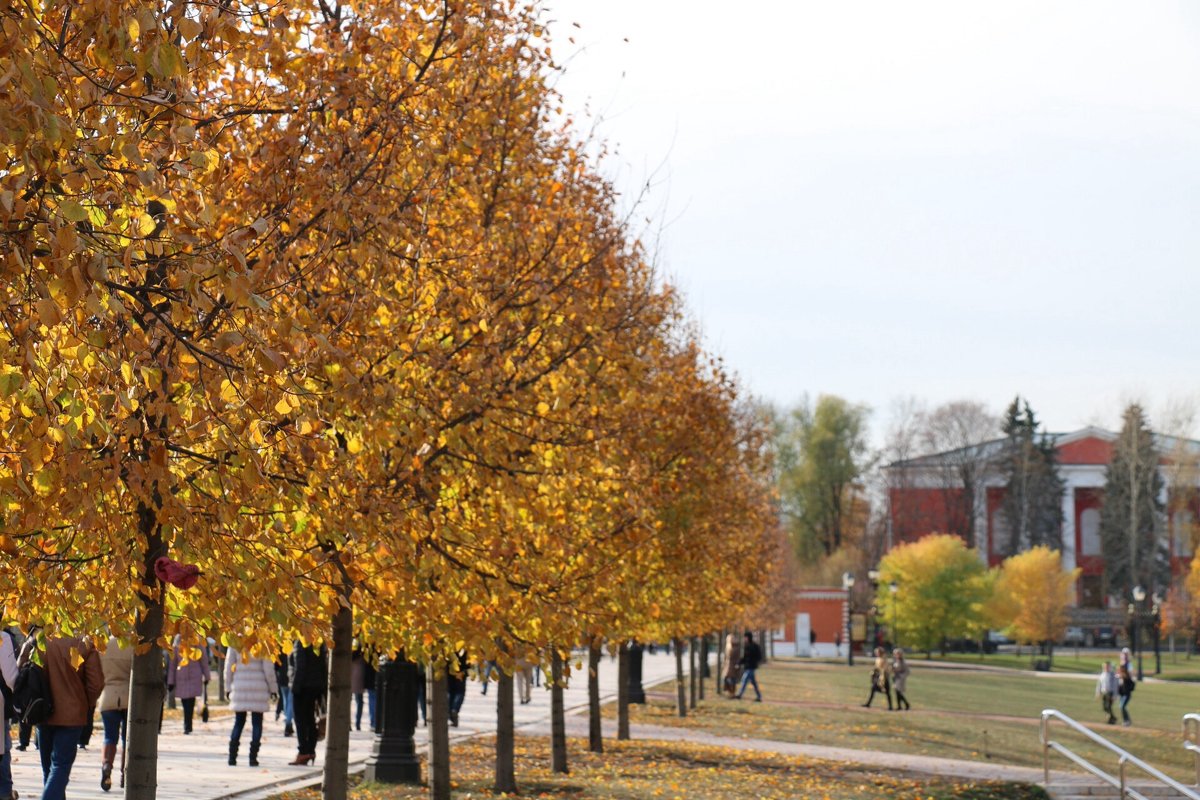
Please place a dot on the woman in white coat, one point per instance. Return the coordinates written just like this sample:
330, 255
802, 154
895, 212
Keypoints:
252, 690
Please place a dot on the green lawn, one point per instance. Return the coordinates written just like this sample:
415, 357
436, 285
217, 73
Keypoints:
976, 715
1179, 667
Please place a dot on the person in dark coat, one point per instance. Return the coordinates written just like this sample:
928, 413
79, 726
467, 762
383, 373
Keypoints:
284, 703
751, 658
308, 674
362, 681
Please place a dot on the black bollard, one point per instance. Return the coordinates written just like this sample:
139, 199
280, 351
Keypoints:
393, 756
636, 693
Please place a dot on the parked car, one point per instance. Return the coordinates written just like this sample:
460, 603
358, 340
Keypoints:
1104, 636
1075, 637
998, 638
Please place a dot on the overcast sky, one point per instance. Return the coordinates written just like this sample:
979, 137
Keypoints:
941, 199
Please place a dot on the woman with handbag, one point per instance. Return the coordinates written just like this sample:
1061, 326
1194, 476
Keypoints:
252, 690
880, 682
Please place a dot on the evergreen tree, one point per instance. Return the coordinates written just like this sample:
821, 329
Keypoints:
1131, 521
1033, 488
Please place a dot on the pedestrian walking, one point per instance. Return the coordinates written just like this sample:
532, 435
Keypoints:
283, 705
900, 679
456, 687
75, 680
308, 674
188, 678
8, 680
751, 658
524, 681
116, 663
1125, 688
880, 683
252, 690
1107, 685
362, 682
733, 664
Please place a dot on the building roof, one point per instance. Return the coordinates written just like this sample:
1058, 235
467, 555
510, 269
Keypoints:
992, 448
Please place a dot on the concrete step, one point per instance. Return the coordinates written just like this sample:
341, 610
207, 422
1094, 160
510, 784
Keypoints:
1084, 789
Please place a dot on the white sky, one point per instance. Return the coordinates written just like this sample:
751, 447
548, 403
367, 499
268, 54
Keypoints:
943, 199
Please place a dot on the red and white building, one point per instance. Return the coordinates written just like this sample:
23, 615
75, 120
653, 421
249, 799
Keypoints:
925, 496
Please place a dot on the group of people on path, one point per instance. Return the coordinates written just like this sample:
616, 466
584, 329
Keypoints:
1117, 684
71, 680
890, 677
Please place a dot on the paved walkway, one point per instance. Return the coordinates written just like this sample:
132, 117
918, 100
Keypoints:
193, 767
929, 765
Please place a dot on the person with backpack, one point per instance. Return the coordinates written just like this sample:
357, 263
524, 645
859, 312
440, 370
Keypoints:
73, 692
8, 679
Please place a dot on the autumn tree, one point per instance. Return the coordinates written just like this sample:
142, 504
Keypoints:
1033, 494
941, 588
958, 432
1131, 529
1039, 592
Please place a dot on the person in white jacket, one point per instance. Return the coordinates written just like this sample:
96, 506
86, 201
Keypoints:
252, 690
8, 672
1106, 690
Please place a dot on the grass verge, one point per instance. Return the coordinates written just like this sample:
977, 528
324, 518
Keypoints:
972, 715
642, 770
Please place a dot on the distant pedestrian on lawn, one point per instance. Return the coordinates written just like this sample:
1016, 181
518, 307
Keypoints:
751, 658
879, 679
1106, 689
900, 679
733, 664
1125, 690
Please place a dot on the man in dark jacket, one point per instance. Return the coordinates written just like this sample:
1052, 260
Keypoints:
751, 658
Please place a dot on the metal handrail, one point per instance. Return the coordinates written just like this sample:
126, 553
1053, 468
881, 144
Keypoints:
1124, 759
1191, 735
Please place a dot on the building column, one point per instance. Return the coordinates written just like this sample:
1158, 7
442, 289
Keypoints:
1068, 533
981, 523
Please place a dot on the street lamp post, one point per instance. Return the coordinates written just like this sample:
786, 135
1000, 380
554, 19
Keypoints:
893, 587
1139, 594
848, 585
1156, 621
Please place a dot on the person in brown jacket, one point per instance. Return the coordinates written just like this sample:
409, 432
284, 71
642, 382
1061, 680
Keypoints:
74, 691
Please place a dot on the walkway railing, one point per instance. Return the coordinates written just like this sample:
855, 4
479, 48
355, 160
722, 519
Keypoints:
1191, 739
1124, 758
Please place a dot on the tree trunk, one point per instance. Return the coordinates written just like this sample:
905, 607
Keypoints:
703, 656
337, 705
506, 779
623, 692
692, 690
595, 730
439, 733
680, 686
146, 693
558, 722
